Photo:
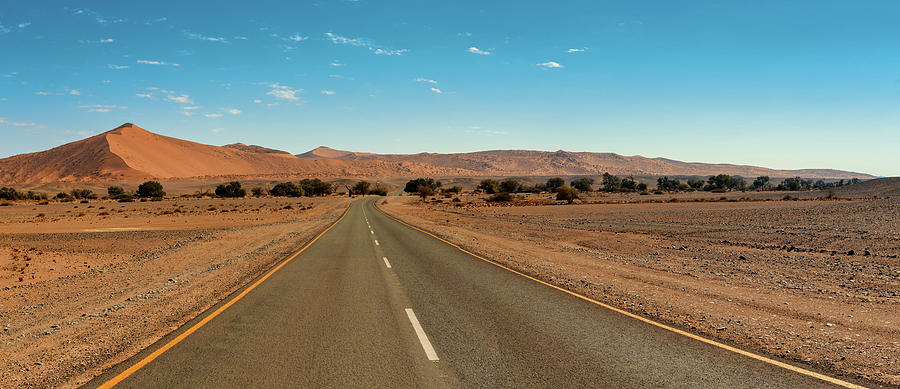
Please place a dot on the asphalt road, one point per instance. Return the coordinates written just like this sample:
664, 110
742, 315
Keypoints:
374, 303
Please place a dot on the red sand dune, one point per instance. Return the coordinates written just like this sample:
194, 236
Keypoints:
132, 153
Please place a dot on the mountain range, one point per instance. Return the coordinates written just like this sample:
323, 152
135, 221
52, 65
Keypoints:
130, 153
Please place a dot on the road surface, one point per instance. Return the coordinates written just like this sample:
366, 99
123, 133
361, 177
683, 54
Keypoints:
375, 303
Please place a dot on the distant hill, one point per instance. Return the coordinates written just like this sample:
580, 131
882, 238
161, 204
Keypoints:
129, 153
881, 187
255, 149
544, 163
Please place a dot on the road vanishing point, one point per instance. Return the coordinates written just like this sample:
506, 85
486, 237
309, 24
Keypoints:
373, 302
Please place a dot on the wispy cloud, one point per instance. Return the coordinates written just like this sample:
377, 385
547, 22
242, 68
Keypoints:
550, 65
213, 115
202, 37
117, 67
297, 38
4, 122
362, 42
182, 99
328, 92
284, 92
75, 92
233, 111
152, 62
576, 50
101, 41
430, 81
257, 101
480, 131
217, 130
145, 95
475, 50
98, 17
101, 107
155, 21
23, 25
337, 64
436, 90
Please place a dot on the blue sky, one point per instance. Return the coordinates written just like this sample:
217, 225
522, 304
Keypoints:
799, 84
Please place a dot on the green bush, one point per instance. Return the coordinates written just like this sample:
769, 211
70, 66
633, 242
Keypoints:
379, 190
554, 183
361, 188
286, 189
510, 185
583, 184
258, 191
424, 191
115, 192
150, 189
231, 189
489, 186
413, 185
566, 193
83, 194
316, 187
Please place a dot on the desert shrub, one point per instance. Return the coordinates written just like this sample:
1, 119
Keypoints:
126, 199
361, 188
554, 183
62, 195
413, 185
510, 185
499, 197
452, 189
258, 191
761, 182
150, 189
628, 184
115, 192
696, 184
642, 187
583, 184
231, 189
611, 183
456, 200
424, 191
566, 193
286, 189
657, 192
378, 190
83, 194
724, 181
316, 187
667, 184
489, 186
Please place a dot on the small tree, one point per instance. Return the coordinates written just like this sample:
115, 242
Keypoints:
379, 190
556, 182
316, 187
150, 189
611, 183
453, 189
83, 194
499, 197
696, 184
760, 182
510, 185
258, 191
413, 185
489, 186
231, 189
424, 191
566, 193
284, 189
583, 184
115, 192
361, 188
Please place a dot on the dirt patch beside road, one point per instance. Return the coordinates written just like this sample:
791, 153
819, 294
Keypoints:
811, 281
80, 293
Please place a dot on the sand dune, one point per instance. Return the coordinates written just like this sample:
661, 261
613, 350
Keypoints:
129, 153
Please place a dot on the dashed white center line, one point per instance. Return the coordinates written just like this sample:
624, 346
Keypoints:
376, 242
373, 232
426, 344
386, 263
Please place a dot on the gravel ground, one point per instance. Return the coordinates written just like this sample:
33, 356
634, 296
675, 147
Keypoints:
815, 281
80, 293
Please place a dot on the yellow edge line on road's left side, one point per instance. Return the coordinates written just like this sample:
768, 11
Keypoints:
149, 358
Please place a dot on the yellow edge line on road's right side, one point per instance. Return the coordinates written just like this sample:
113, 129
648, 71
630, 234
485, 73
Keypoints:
761, 358
149, 358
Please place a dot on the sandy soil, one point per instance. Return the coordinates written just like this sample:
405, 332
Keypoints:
84, 286
816, 281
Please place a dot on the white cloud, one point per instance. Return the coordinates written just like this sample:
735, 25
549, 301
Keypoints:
107, 40
240, 38
257, 101
44, 93
233, 111
284, 92
106, 81
202, 37
188, 113
157, 20
550, 65
101, 107
337, 64
212, 115
11, 74
5, 122
436, 90
475, 50
217, 130
191, 108
117, 67
75, 92
297, 38
420, 79
23, 25
4, 29
342, 40
183, 99
328, 92
152, 62
464, 34
576, 50
391, 52
144, 95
